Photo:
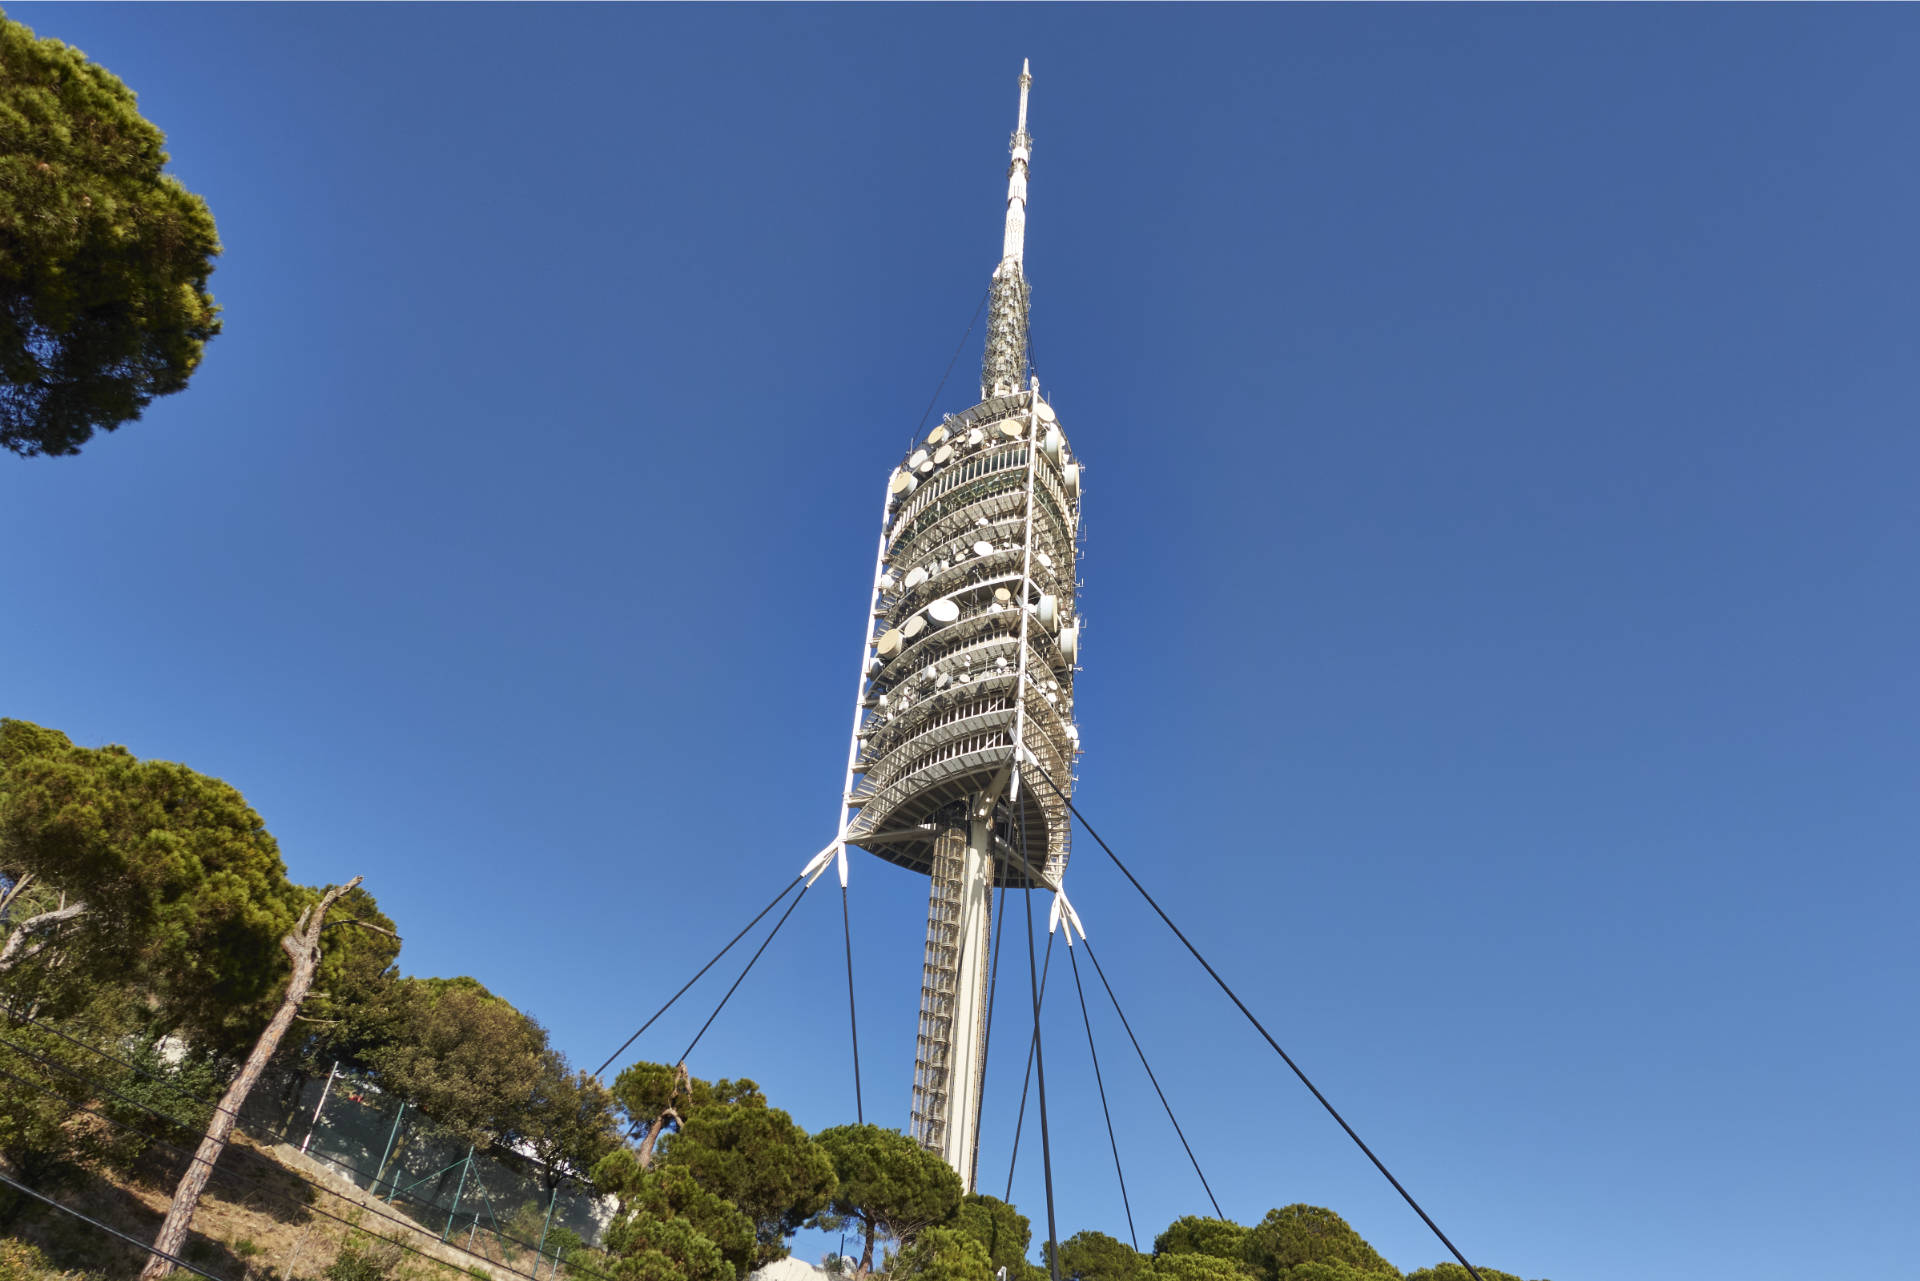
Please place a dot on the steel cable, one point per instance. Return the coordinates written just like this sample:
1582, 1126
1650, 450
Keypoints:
1101, 1085
1151, 1077
1040, 1080
853, 1019
703, 969
1026, 1082
743, 973
1258, 1027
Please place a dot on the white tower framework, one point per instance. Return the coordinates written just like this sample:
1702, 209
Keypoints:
968, 673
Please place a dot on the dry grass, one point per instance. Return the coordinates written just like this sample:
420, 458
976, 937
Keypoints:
260, 1226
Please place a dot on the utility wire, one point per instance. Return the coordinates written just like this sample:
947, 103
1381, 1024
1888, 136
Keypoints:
1113, 1142
282, 1136
931, 400
1258, 1027
688, 1052
1040, 1078
1026, 1082
174, 1259
853, 1020
246, 1179
1150, 1076
703, 969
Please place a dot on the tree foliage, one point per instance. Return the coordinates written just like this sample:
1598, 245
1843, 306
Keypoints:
887, 1184
942, 1254
1003, 1231
1301, 1234
1451, 1271
104, 258
1199, 1267
464, 1056
183, 887
757, 1158
668, 1227
1095, 1256
1195, 1234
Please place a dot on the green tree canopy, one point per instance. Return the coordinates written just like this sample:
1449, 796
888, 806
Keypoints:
1199, 1267
464, 1056
104, 258
1450, 1271
942, 1254
1002, 1230
1095, 1256
757, 1158
183, 889
1196, 1234
888, 1184
668, 1227
1297, 1234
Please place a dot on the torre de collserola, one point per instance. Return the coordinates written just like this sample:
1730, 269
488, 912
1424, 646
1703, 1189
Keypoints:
966, 686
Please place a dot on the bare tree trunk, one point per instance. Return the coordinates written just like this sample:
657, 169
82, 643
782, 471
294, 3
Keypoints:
866, 1255
302, 947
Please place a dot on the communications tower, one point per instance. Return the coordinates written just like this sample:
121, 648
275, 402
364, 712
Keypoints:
966, 684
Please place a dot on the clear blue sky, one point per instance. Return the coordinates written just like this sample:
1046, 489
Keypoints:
1500, 560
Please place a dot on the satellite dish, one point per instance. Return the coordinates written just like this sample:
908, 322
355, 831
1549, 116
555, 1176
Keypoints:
983, 548
886, 583
1052, 697
943, 612
1012, 428
1002, 595
940, 681
913, 627
917, 459
926, 468
1050, 444
975, 436
1070, 643
1045, 559
889, 646
1072, 472
943, 455
937, 435
1049, 610
1046, 412
901, 483
916, 576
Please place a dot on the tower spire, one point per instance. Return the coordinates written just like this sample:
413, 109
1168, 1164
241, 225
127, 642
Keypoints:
1003, 368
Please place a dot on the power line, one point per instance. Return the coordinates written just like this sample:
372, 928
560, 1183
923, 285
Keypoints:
1102, 1086
928, 412
174, 1259
249, 1180
1258, 1027
98, 1088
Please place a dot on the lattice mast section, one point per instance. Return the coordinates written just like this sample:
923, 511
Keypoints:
968, 672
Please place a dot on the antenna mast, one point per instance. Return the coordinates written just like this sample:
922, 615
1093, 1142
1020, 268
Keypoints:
1003, 368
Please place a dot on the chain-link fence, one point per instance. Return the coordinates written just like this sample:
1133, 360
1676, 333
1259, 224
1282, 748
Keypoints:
502, 1207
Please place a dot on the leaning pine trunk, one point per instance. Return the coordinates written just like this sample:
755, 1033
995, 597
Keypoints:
303, 949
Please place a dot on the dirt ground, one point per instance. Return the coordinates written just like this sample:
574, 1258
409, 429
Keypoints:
258, 1220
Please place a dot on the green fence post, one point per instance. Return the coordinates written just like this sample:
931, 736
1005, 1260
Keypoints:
464, 1167
540, 1250
392, 1134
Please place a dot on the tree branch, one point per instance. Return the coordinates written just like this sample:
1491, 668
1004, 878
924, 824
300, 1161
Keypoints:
12, 954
